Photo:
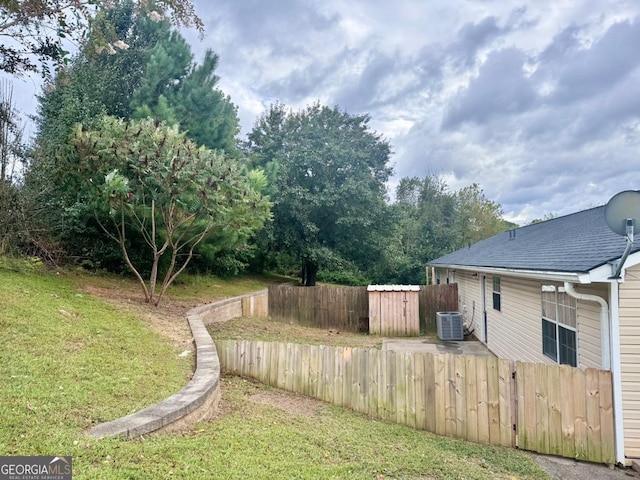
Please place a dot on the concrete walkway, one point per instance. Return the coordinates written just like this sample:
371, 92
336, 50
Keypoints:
560, 468
431, 345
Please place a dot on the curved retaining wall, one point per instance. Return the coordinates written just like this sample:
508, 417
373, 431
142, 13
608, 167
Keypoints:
198, 400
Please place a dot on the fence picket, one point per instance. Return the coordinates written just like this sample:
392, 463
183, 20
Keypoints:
558, 409
580, 414
420, 390
568, 416
505, 422
593, 415
441, 385
347, 308
482, 399
555, 410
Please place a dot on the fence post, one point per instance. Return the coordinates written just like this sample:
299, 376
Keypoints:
514, 405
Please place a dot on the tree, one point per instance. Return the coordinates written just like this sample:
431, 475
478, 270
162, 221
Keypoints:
425, 211
176, 90
11, 131
477, 217
431, 220
35, 30
545, 217
12, 219
327, 173
120, 85
150, 179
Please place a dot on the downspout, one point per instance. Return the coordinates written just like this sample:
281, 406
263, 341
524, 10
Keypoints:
604, 322
616, 372
610, 355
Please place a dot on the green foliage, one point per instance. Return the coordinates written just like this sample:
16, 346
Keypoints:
430, 221
147, 178
177, 91
37, 28
19, 264
545, 217
477, 217
327, 174
154, 76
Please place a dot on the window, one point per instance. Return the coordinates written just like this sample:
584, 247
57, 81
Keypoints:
559, 326
496, 293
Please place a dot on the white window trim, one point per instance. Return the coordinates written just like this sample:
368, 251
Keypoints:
558, 323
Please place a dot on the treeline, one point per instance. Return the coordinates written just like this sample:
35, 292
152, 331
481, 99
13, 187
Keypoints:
136, 166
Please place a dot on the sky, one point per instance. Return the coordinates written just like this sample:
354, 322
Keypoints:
538, 102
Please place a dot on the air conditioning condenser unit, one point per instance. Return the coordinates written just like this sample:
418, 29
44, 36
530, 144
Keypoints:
450, 326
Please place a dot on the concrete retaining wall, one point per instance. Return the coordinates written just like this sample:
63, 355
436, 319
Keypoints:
198, 400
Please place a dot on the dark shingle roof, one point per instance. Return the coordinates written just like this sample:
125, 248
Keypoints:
576, 243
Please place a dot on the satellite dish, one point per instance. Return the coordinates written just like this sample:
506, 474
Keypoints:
622, 207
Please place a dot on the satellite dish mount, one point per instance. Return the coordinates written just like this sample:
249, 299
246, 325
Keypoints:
621, 214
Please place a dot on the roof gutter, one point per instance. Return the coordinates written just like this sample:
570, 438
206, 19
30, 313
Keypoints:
533, 274
604, 322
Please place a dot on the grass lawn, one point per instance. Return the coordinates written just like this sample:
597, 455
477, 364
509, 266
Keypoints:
270, 331
69, 360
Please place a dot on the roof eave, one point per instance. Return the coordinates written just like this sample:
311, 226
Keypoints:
574, 277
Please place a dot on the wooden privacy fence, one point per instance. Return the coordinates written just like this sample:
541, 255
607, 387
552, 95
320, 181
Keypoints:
343, 308
347, 308
549, 409
436, 298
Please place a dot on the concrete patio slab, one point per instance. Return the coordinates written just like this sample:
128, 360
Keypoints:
431, 345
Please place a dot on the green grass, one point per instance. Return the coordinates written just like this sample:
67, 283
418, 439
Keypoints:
271, 331
68, 361
185, 287
254, 440
190, 287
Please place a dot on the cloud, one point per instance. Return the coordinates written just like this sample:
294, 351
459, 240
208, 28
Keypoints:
539, 104
500, 88
580, 73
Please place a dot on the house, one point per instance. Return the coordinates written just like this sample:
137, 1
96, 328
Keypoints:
546, 293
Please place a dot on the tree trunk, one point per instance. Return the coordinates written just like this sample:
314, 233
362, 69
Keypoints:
311, 270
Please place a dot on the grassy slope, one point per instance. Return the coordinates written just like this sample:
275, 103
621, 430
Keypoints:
68, 361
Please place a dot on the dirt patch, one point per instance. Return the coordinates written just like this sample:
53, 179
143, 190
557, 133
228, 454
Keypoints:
241, 395
169, 319
288, 402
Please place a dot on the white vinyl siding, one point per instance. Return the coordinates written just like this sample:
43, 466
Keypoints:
470, 301
589, 347
630, 359
515, 332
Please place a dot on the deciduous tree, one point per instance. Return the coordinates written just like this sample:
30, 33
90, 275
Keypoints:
34, 31
150, 179
327, 172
